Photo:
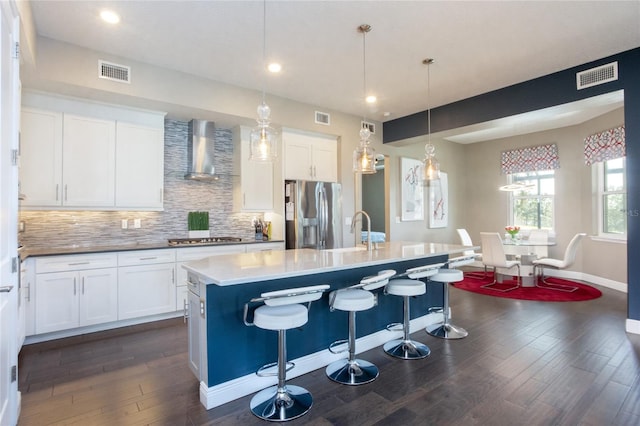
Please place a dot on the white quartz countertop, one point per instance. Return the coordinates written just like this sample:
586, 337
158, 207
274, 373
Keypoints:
231, 269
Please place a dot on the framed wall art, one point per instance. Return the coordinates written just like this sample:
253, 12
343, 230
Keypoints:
412, 195
439, 202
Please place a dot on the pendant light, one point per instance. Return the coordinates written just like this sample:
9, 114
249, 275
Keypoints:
364, 154
262, 142
430, 162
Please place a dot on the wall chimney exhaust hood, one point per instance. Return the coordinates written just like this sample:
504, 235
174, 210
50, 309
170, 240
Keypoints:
201, 151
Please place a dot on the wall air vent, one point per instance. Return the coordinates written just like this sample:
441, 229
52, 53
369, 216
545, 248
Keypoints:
323, 118
370, 126
114, 72
598, 75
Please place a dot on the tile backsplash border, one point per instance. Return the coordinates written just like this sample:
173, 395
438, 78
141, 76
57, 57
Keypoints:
63, 228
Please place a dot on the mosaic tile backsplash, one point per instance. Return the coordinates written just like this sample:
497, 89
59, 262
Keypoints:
44, 229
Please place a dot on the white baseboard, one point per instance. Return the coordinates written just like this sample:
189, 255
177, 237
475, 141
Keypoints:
594, 279
632, 326
217, 395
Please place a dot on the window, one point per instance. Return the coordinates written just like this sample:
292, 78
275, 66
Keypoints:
612, 198
532, 205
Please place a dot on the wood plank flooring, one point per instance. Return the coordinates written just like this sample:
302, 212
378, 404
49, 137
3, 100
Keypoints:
524, 363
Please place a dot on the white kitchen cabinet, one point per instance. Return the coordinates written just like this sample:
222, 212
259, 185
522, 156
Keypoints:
309, 156
88, 159
139, 167
74, 291
81, 155
146, 283
254, 190
41, 157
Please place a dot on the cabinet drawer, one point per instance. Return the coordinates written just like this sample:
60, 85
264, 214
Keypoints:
76, 262
146, 257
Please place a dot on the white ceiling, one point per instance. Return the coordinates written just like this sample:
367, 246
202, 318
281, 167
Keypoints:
478, 46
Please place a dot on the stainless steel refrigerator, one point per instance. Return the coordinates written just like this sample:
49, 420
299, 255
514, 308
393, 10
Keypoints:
313, 214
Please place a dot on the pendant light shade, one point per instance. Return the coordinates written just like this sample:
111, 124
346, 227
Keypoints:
431, 165
364, 155
262, 146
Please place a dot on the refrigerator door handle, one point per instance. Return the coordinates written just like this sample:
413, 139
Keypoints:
322, 218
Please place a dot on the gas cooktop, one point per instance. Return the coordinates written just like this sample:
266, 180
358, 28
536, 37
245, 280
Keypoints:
202, 241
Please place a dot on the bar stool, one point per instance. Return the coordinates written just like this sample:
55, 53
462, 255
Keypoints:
406, 348
444, 329
352, 371
282, 310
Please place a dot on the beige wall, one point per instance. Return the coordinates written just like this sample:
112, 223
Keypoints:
487, 208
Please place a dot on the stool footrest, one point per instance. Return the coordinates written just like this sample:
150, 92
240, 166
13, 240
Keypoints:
395, 326
338, 343
436, 309
262, 370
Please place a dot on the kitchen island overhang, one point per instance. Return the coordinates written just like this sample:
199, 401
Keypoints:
231, 352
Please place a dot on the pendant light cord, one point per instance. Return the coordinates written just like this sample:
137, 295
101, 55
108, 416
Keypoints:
264, 48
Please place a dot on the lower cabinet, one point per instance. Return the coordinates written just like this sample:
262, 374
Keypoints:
76, 298
196, 327
149, 287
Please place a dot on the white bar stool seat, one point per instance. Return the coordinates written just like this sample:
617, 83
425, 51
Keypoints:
405, 348
444, 329
282, 310
352, 371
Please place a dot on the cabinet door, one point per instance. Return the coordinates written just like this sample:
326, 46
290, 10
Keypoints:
325, 160
56, 301
257, 182
139, 166
98, 296
297, 159
88, 155
41, 157
194, 327
146, 290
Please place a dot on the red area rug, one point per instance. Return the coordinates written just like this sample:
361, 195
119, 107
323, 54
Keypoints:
584, 291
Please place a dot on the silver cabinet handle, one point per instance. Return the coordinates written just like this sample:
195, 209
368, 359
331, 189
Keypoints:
185, 315
78, 263
74, 287
57, 191
149, 258
6, 289
311, 171
66, 192
82, 285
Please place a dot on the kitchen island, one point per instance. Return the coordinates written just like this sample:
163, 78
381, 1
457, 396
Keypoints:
224, 353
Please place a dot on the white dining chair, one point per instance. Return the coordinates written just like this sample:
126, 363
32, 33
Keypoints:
465, 240
567, 261
493, 256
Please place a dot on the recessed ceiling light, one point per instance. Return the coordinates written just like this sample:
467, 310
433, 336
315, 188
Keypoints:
386, 114
109, 17
274, 67
371, 99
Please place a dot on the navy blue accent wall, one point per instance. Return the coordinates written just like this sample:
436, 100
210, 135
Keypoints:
235, 350
553, 89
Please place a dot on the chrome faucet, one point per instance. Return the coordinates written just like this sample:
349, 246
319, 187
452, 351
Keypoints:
353, 227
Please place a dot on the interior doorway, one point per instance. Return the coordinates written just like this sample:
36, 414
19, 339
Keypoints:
375, 196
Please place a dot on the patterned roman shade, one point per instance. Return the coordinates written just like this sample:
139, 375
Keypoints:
531, 159
604, 146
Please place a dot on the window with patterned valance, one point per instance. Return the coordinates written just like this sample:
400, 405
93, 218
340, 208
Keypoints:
543, 157
604, 146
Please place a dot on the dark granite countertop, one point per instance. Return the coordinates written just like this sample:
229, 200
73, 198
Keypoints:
26, 252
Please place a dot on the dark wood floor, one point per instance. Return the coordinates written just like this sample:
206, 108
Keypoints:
524, 363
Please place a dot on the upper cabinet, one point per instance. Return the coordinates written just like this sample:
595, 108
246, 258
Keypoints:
79, 155
254, 190
309, 156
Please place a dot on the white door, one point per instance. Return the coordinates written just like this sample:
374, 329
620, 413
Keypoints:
9, 107
98, 290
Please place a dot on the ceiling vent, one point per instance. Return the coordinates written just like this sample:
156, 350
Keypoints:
599, 75
370, 126
114, 72
323, 118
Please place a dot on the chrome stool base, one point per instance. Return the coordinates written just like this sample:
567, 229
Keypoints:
280, 405
447, 331
406, 349
356, 372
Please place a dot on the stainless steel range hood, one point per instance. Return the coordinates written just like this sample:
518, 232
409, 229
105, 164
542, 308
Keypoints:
201, 151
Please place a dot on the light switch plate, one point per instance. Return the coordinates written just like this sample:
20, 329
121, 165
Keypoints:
347, 221
124, 224
137, 223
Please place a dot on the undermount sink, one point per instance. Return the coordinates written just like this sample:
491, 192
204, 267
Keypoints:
346, 249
